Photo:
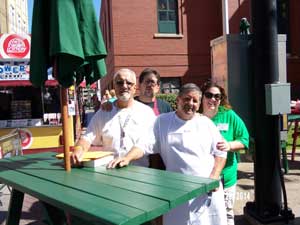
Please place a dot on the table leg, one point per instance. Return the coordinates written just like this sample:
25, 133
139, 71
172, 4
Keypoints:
15, 207
284, 157
295, 136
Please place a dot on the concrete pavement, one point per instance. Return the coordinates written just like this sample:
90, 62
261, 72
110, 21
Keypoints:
33, 212
245, 189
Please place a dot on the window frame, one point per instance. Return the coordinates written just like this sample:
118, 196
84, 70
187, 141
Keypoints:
168, 26
170, 85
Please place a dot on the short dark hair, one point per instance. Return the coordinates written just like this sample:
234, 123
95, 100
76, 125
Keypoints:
189, 87
148, 71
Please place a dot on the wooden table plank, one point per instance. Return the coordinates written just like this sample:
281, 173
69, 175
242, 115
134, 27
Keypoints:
74, 201
177, 176
192, 189
90, 183
141, 194
293, 117
168, 185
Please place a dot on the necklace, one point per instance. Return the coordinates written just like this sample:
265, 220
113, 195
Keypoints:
123, 147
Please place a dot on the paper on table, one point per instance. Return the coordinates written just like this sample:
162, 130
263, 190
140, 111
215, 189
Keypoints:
98, 162
88, 156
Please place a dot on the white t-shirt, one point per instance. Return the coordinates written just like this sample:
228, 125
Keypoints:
189, 147
120, 129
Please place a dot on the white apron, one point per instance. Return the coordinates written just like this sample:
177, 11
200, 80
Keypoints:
188, 151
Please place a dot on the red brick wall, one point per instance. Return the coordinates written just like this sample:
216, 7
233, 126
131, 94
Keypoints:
134, 26
294, 27
293, 61
238, 9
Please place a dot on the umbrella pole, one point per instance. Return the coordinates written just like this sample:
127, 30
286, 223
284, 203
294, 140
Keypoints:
66, 120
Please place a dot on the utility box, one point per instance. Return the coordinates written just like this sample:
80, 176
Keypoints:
230, 66
278, 97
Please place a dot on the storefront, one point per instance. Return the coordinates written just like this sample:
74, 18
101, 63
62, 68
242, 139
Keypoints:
35, 112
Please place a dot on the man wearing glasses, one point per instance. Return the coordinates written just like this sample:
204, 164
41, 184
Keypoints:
149, 86
123, 126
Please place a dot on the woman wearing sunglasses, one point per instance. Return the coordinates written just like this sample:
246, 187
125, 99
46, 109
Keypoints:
215, 105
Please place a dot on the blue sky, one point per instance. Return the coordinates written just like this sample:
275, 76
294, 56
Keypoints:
97, 4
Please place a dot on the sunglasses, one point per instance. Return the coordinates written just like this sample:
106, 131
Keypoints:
211, 95
122, 82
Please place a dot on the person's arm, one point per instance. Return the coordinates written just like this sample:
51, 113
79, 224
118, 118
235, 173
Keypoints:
134, 154
218, 167
230, 146
240, 135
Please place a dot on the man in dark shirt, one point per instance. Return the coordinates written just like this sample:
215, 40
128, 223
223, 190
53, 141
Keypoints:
149, 86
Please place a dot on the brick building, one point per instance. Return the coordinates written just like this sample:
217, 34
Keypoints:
174, 37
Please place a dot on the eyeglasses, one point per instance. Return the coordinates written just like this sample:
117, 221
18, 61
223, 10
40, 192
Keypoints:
122, 82
211, 95
152, 82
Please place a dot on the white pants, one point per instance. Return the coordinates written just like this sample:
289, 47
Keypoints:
204, 210
229, 195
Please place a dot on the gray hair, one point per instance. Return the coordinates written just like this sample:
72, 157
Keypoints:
189, 87
126, 70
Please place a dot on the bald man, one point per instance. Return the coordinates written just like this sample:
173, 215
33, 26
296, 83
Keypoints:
121, 128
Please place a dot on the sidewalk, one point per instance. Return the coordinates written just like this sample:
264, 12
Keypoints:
32, 210
245, 189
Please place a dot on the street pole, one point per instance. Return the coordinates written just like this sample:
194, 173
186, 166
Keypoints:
267, 205
225, 17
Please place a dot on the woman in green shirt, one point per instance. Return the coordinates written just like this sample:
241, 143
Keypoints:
215, 105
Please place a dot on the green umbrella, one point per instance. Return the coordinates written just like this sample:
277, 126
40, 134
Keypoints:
68, 32
66, 35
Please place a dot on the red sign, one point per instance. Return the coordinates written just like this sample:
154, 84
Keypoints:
14, 46
26, 137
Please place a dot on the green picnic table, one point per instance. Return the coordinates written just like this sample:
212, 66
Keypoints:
129, 195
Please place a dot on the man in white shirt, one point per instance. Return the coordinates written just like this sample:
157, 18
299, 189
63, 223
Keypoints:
121, 128
187, 144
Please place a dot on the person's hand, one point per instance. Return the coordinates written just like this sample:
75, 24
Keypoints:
223, 146
76, 157
118, 162
212, 176
106, 106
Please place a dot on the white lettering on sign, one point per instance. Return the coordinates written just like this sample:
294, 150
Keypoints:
16, 45
14, 72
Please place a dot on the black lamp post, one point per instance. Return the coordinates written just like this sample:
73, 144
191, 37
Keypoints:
268, 203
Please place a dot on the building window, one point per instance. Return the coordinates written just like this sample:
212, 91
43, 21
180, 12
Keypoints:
11, 19
167, 11
19, 24
169, 85
283, 20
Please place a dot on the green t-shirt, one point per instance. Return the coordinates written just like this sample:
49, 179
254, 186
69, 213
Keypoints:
232, 128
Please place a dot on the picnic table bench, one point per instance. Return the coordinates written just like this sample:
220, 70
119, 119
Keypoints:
294, 118
128, 195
